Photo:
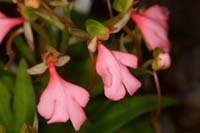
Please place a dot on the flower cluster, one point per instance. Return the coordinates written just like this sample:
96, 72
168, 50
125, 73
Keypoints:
62, 101
153, 25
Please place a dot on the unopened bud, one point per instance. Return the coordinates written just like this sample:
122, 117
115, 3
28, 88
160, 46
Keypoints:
32, 3
162, 61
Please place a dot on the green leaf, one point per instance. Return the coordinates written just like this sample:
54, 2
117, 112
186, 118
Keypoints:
97, 29
5, 104
24, 98
24, 50
120, 113
7, 78
138, 125
122, 6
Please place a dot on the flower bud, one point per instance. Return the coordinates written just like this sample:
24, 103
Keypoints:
32, 3
161, 62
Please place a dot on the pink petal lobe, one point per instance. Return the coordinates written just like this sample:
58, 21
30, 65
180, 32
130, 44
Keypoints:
52, 103
46, 104
159, 14
60, 111
6, 24
108, 68
131, 83
117, 95
76, 114
78, 93
126, 59
2, 15
153, 30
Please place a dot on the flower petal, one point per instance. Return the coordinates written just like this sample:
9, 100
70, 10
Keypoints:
76, 113
79, 94
7, 24
158, 13
60, 113
131, 83
154, 31
115, 94
164, 60
2, 15
47, 102
53, 104
126, 59
108, 68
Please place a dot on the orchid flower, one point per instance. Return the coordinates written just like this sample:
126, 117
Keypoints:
153, 25
112, 67
60, 100
6, 24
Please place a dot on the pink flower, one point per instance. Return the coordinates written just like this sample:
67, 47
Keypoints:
112, 67
62, 101
153, 25
6, 24
164, 60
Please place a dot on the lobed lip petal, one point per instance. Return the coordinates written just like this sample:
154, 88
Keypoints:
76, 113
60, 113
108, 68
115, 94
46, 105
62, 101
47, 100
131, 83
126, 59
78, 93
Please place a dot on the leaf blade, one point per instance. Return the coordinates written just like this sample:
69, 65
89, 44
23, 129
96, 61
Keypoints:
24, 98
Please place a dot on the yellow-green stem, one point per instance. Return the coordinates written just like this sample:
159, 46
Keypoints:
158, 89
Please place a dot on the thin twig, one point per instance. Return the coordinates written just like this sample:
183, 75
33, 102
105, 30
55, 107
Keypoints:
66, 21
93, 80
158, 94
109, 8
155, 123
135, 41
9, 50
111, 15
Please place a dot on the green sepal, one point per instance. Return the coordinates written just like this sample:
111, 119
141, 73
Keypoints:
97, 29
122, 6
